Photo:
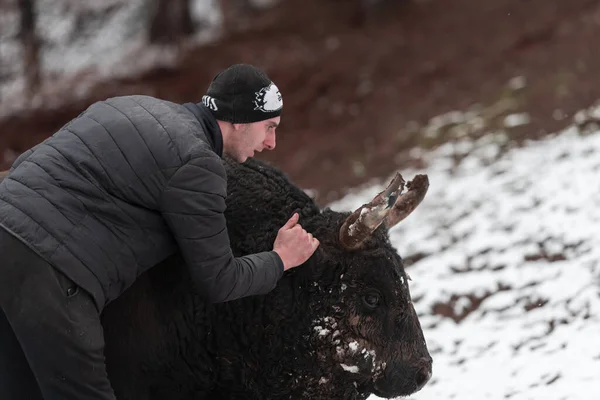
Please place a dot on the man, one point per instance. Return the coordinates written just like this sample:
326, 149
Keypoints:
115, 191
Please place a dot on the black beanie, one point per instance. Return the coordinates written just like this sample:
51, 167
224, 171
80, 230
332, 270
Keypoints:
242, 94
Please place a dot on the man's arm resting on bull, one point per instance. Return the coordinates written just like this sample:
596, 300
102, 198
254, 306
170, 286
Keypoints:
193, 205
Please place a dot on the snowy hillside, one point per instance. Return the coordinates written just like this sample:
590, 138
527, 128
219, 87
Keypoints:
506, 276
91, 38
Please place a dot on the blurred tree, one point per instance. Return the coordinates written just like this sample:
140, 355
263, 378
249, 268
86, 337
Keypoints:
30, 46
170, 21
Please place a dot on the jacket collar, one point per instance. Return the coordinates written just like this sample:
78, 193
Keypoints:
210, 125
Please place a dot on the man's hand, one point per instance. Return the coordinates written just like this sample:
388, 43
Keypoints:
293, 244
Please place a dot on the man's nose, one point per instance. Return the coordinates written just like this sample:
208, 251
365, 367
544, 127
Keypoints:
270, 141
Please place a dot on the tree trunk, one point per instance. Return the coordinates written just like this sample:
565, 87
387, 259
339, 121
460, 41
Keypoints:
30, 45
170, 21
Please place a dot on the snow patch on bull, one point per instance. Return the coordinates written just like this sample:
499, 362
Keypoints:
349, 352
360, 221
350, 368
322, 331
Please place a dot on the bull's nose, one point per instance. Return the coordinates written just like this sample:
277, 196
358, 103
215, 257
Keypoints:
423, 373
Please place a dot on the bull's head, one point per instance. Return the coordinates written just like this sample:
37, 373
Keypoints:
377, 339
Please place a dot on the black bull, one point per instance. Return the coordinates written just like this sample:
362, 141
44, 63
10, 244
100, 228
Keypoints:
340, 326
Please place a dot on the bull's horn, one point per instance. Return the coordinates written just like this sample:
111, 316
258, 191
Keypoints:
408, 202
361, 223
389, 206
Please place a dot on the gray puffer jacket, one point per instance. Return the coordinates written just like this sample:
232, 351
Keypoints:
121, 187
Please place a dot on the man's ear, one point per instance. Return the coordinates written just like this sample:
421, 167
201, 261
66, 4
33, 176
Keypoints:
239, 127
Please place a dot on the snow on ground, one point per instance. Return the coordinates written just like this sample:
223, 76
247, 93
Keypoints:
507, 277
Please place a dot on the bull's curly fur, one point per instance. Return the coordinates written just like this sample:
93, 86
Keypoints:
314, 336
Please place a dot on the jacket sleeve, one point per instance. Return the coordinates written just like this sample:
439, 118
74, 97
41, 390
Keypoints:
193, 205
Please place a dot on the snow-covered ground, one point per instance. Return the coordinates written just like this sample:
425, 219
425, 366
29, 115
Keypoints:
510, 248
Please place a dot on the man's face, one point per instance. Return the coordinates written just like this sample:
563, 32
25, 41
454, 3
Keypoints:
250, 138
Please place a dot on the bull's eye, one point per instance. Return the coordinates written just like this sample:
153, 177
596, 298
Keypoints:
371, 300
